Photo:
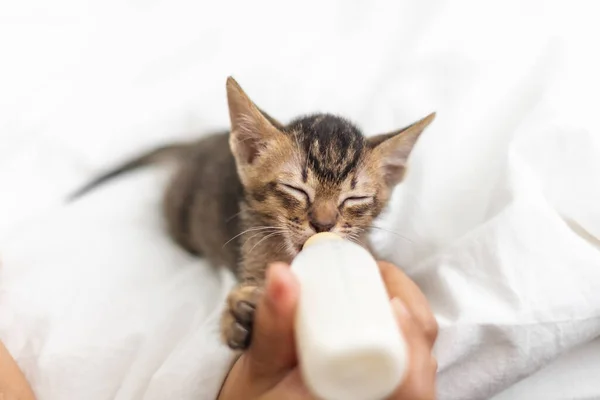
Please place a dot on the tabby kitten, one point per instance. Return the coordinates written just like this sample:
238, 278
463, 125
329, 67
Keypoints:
253, 196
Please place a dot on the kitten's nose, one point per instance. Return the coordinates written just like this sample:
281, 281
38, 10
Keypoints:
322, 227
323, 216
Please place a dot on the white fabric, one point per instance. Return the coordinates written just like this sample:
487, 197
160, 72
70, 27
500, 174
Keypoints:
497, 221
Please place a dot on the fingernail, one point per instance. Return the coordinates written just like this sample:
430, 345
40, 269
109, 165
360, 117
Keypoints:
399, 308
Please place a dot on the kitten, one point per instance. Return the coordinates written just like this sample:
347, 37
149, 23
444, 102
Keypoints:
253, 196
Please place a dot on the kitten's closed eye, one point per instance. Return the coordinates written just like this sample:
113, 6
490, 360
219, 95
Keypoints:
295, 191
355, 201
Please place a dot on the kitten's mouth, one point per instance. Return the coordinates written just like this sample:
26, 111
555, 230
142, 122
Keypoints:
300, 246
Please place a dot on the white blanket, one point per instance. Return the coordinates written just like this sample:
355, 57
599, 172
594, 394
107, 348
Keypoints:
498, 220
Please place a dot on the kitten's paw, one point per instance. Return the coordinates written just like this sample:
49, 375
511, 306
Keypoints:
238, 318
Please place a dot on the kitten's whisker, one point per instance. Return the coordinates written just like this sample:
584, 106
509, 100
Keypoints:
352, 236
392, 232
256, 228
282, 246
355, 238
232, 217
261, 240
280, 230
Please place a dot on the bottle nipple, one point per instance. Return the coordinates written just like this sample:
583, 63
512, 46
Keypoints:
320, 237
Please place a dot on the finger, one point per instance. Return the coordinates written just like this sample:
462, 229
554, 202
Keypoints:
401, 286
292, 387
419, 381
272, 350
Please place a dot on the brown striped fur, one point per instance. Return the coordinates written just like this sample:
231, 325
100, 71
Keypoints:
253, 196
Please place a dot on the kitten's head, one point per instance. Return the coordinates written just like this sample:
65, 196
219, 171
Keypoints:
318, 173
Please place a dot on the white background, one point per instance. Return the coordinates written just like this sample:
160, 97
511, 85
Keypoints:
500, 206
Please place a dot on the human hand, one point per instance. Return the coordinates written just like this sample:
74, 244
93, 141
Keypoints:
13, 384
268, 369
420, 331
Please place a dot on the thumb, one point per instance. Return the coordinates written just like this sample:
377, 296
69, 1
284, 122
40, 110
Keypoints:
272, 350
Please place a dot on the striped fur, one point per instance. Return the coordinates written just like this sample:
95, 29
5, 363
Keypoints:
254, 195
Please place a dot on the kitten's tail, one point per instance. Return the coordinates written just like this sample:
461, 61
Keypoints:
158, 154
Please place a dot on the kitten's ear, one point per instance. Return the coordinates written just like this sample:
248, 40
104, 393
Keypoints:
392, 149
272, 120
251, 129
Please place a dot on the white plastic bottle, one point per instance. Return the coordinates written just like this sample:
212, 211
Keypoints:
349, 344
